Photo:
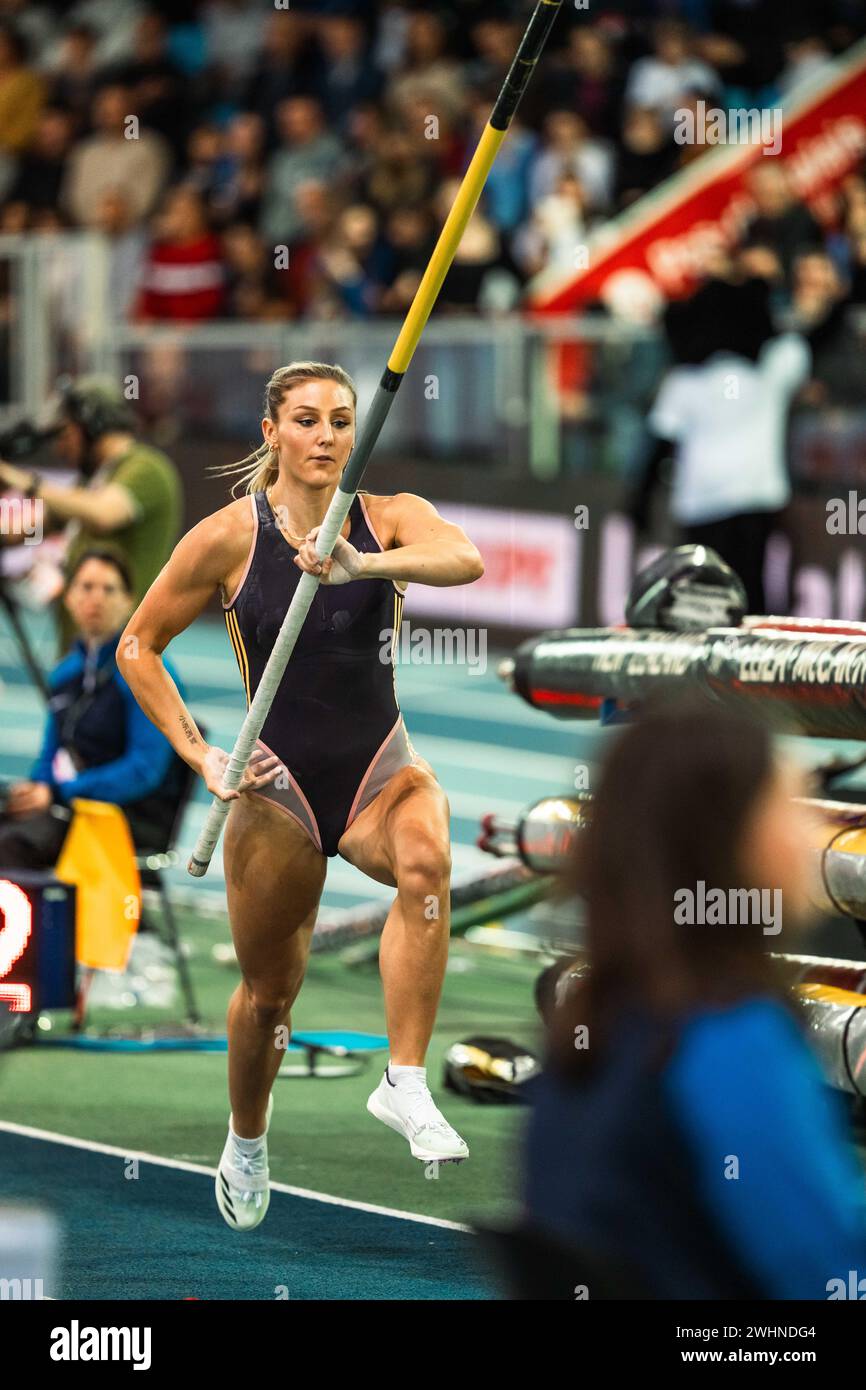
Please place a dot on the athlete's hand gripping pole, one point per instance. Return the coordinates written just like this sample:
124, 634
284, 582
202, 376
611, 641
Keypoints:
515, 84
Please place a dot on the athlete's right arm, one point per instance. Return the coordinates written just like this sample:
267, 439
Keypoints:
199, 565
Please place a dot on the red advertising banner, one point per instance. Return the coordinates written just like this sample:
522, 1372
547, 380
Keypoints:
668, 233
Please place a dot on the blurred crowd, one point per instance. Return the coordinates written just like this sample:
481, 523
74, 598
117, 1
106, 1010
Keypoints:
253, 161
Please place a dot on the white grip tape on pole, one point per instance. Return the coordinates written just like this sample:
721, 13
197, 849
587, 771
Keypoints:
271, 677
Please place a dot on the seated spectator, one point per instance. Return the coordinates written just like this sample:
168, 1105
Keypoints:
108, 160
126, 244
779, 219
556, 231
668, 75
256, 289
158, 91
308, 151
39, 178
645, 158
483, 274
587, 79
399, 177
183, 277
22, 93
427, 68
568, 148
506, 192
236, 194
347, 74
356, 261
97, 742
283, 69
683, 1142
73, 72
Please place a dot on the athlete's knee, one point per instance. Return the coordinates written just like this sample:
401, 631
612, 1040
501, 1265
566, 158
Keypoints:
268, 1004
424, 867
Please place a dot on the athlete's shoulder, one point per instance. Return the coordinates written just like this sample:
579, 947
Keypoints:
220, 538
386, 513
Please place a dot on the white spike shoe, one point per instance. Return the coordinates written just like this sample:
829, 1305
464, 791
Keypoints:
410, 1110
242, 1188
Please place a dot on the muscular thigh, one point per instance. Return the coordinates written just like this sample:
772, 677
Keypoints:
274, 880
412, 806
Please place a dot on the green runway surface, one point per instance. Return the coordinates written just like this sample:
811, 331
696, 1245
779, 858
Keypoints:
160, 1236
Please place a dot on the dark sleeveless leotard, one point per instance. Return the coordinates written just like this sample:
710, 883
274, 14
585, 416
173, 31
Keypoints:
334, 723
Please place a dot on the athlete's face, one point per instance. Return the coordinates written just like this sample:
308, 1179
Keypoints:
314, 432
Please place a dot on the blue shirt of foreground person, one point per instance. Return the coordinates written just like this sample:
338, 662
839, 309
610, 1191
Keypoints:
97, 742
683, 1141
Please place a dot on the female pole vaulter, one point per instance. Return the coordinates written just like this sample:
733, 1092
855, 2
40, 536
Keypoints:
334, 771
432, 552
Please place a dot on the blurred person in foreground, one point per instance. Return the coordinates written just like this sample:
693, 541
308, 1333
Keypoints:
128, 494
97, 743
685, 1144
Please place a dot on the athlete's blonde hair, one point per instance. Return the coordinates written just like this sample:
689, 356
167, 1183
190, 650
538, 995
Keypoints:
260, 468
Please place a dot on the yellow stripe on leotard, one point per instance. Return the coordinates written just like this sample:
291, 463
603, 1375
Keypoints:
239, 651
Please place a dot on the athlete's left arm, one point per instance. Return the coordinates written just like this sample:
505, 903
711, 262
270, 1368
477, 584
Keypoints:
425, 548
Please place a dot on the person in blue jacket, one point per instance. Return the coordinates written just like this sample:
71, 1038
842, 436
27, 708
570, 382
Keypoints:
97, 742
683, 1142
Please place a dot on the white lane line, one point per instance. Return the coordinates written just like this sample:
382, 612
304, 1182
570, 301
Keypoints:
92, 1146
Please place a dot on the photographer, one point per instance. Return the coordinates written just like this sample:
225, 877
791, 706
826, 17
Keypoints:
129, 493
97, 743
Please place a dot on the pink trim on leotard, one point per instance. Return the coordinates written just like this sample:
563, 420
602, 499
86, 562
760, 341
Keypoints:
242, 581
401, 587
273, 794
358, 805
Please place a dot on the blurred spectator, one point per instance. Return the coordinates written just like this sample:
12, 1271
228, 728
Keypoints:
568, 148
118, 156
681, 1050
114, 23
399, 178
255, 288
429, 77
22, 93
310, 151
556, 231
234, 36
97, 741
670, 73
237, 190
40, 169
356, 262
282, 69
807, 57
74, 72
779, 220
506, 193
126, 243
156, 86
646, 155
587, 79
348, 74
183, 278
483, 273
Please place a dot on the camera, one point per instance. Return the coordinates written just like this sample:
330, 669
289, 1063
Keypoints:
22, 441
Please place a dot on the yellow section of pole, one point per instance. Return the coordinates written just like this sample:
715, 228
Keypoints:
446, 247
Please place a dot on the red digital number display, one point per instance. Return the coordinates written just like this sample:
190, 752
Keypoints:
16, 926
